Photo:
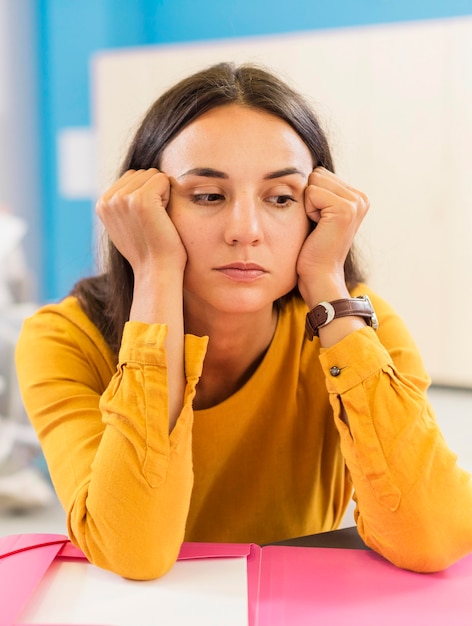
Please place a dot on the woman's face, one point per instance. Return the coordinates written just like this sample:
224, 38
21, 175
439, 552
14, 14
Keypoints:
238, 177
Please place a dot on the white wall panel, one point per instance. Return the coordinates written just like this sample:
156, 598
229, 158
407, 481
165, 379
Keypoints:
397, 103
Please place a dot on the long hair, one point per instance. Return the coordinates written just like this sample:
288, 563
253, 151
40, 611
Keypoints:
107, 298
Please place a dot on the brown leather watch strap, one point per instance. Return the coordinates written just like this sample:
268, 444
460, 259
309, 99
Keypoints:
326, 312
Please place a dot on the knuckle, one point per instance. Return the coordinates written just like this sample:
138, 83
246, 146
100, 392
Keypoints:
363, 199
134, 200
352, 211
309, 189
101, 206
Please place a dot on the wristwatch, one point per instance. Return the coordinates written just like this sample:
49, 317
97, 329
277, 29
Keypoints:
326, 312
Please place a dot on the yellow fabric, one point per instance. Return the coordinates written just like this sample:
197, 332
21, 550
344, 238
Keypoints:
266, 464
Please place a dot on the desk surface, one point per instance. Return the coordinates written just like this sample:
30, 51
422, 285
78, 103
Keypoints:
273, 584
343, 538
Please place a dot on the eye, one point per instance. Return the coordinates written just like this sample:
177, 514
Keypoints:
206, 199
282, 201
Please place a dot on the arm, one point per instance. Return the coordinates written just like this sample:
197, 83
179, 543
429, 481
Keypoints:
124, 482
414, 504
134, 213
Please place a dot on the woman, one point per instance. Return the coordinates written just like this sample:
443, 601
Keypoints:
214, 262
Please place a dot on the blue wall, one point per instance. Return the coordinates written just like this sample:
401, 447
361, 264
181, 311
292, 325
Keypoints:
70, 31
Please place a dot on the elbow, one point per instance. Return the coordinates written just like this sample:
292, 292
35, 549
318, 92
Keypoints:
424, 543
130, 549
150, 570
133, 567
425, 554
424, 561
138, 560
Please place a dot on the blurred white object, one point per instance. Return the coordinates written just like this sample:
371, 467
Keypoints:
24, 490
14, 277
22, 485
12, 231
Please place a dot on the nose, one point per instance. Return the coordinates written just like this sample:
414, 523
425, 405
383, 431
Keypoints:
243, 223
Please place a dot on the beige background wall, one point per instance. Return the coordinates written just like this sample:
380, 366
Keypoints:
397, 103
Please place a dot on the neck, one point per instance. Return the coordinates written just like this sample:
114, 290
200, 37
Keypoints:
237, 344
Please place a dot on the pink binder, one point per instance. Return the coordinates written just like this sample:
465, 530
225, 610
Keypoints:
286, 585
24, 559
301, 586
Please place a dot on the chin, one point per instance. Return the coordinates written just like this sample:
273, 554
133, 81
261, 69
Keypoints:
237, 299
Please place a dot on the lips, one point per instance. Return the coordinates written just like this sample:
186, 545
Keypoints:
242, 272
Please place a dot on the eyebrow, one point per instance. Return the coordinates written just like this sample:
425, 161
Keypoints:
209, 172
288, 171
206, 172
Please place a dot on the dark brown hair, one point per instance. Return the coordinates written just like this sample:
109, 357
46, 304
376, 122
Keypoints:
107, 298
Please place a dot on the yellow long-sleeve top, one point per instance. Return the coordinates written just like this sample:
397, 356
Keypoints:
273, 461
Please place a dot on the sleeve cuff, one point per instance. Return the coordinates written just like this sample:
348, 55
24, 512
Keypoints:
352, 360
195, 350
145, 344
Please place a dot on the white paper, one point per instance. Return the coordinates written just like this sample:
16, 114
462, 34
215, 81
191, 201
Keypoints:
206, 592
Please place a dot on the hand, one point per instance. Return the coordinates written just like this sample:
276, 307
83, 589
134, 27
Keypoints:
134, 214
338, 210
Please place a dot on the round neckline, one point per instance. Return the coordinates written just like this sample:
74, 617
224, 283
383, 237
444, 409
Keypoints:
261, 368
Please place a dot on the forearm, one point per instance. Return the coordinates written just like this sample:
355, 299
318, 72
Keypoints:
123, 481
158, 299
129, 511
129, 515
414, 503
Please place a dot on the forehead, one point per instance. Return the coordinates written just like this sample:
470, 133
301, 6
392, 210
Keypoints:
235, 134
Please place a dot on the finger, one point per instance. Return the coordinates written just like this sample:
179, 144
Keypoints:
321, 203
322, 177
326, 189
156, 188
135, 190
129, 181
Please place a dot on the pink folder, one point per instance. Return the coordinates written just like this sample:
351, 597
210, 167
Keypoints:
24, 559
336, 586
286, 585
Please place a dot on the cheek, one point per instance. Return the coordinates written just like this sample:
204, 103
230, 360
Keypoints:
296, 232
194, 238
293, 240
182, 222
